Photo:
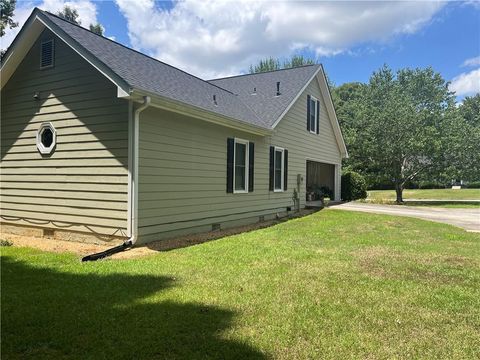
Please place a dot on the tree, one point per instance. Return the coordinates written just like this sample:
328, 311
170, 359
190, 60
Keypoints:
97, 29
470, 110
462, 154
348, 100
268, 64
297, 60
402, 125
69, 14
271, 64
7, 7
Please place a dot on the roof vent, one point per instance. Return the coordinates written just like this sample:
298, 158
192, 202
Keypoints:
278, 88
215, 100
46, 54
254, 91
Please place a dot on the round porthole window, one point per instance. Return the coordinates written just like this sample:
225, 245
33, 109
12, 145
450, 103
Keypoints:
46, 138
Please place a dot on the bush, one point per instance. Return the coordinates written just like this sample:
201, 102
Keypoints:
354, 186
381, 186
473, 185
5, 243
431, 185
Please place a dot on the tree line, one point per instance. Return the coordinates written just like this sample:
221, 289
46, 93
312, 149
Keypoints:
403, 127
400, 127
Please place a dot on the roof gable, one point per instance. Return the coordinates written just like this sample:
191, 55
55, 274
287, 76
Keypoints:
258, 91
135, 73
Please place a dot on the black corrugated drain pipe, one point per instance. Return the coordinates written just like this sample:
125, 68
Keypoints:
108, 252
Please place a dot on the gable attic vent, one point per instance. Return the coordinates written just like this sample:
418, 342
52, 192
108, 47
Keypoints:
278, 88
46, 54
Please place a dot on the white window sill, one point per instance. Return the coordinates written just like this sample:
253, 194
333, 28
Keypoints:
278, 190
240, 191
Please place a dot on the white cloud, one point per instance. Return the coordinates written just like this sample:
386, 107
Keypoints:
87, 14
467, 83
472, 62
214, 38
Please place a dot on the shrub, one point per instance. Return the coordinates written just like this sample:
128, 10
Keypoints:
473, 185
354, 186
5, 243
431, 185
381, 186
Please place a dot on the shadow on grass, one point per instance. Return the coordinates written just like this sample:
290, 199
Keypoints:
51, 314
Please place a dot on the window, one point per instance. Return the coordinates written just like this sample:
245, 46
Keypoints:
240, 165
46, 138
278, 169
46, 54
240, 168
313, 113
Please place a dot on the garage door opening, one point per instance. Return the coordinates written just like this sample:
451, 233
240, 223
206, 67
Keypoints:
320, 182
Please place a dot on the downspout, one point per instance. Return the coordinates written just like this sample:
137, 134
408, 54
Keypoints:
133, 191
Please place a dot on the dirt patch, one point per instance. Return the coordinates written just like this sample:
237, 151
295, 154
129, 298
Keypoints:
54, 245
195, 239
82, 249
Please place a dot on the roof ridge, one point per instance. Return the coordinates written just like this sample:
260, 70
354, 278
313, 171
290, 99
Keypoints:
136, 51
263, 72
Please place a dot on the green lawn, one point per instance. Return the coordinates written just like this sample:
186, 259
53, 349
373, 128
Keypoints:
434, 194
333, 284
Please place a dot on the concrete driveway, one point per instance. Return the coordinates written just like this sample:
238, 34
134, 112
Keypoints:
469, 219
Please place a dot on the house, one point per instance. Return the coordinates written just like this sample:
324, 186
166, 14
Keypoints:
99, 140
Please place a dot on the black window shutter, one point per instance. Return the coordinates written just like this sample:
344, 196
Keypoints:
308, 112
318, 117
285, 169
230, 151
251, 157
272, 172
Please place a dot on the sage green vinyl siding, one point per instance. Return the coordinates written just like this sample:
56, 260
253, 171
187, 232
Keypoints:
292, 134
182, 177
182, 170
83, 185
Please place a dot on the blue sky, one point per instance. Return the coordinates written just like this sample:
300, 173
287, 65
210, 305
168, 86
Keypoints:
351, 39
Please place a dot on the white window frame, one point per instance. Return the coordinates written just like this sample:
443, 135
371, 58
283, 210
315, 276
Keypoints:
53, 54
313, 129
282, 179
247, 161
41, 148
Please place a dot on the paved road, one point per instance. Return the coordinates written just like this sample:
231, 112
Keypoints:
469, 219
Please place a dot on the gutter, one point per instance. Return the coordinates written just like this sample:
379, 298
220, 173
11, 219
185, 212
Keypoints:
133, 201
179, 107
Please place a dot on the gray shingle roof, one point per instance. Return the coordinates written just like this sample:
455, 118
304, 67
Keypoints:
265, 103
233, 94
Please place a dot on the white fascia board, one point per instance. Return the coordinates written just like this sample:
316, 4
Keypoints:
80, 50
295, 99
202, 114
322, 83
29, 34
19, 48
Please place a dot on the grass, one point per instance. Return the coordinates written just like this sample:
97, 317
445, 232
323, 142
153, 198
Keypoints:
334, 284
422, 194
